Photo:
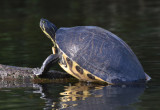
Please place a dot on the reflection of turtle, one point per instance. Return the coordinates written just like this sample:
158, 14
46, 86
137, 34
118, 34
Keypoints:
84, 96
91, 53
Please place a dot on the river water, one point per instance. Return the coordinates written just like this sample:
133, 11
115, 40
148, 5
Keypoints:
22, 43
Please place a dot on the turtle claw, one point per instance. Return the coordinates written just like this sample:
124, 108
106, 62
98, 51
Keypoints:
37, 71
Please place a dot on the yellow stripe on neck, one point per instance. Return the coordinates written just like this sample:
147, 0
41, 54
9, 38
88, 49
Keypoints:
49, 36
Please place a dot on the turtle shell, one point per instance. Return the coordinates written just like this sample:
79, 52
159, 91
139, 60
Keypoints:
101, 53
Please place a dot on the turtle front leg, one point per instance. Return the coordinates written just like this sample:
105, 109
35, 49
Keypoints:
46, 65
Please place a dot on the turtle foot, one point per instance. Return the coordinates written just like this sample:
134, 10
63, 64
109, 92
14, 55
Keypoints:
37, 71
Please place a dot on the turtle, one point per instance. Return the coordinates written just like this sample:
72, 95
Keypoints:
91, 54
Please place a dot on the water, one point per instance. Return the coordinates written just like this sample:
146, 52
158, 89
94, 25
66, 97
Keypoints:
22, 43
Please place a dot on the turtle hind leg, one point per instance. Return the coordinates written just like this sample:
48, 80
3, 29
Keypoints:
50, 60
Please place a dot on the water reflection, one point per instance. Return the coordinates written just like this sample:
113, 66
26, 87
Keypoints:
79, 91
90, 96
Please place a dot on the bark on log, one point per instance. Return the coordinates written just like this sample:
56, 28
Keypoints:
25, 73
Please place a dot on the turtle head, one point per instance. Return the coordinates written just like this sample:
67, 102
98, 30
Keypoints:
49, 29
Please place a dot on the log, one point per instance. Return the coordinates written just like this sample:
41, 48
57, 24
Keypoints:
24, 73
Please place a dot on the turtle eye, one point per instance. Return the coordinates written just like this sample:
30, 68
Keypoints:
43, 21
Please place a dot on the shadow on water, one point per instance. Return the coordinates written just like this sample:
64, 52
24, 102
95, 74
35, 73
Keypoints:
82, 96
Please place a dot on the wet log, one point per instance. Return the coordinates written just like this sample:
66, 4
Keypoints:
26, 74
